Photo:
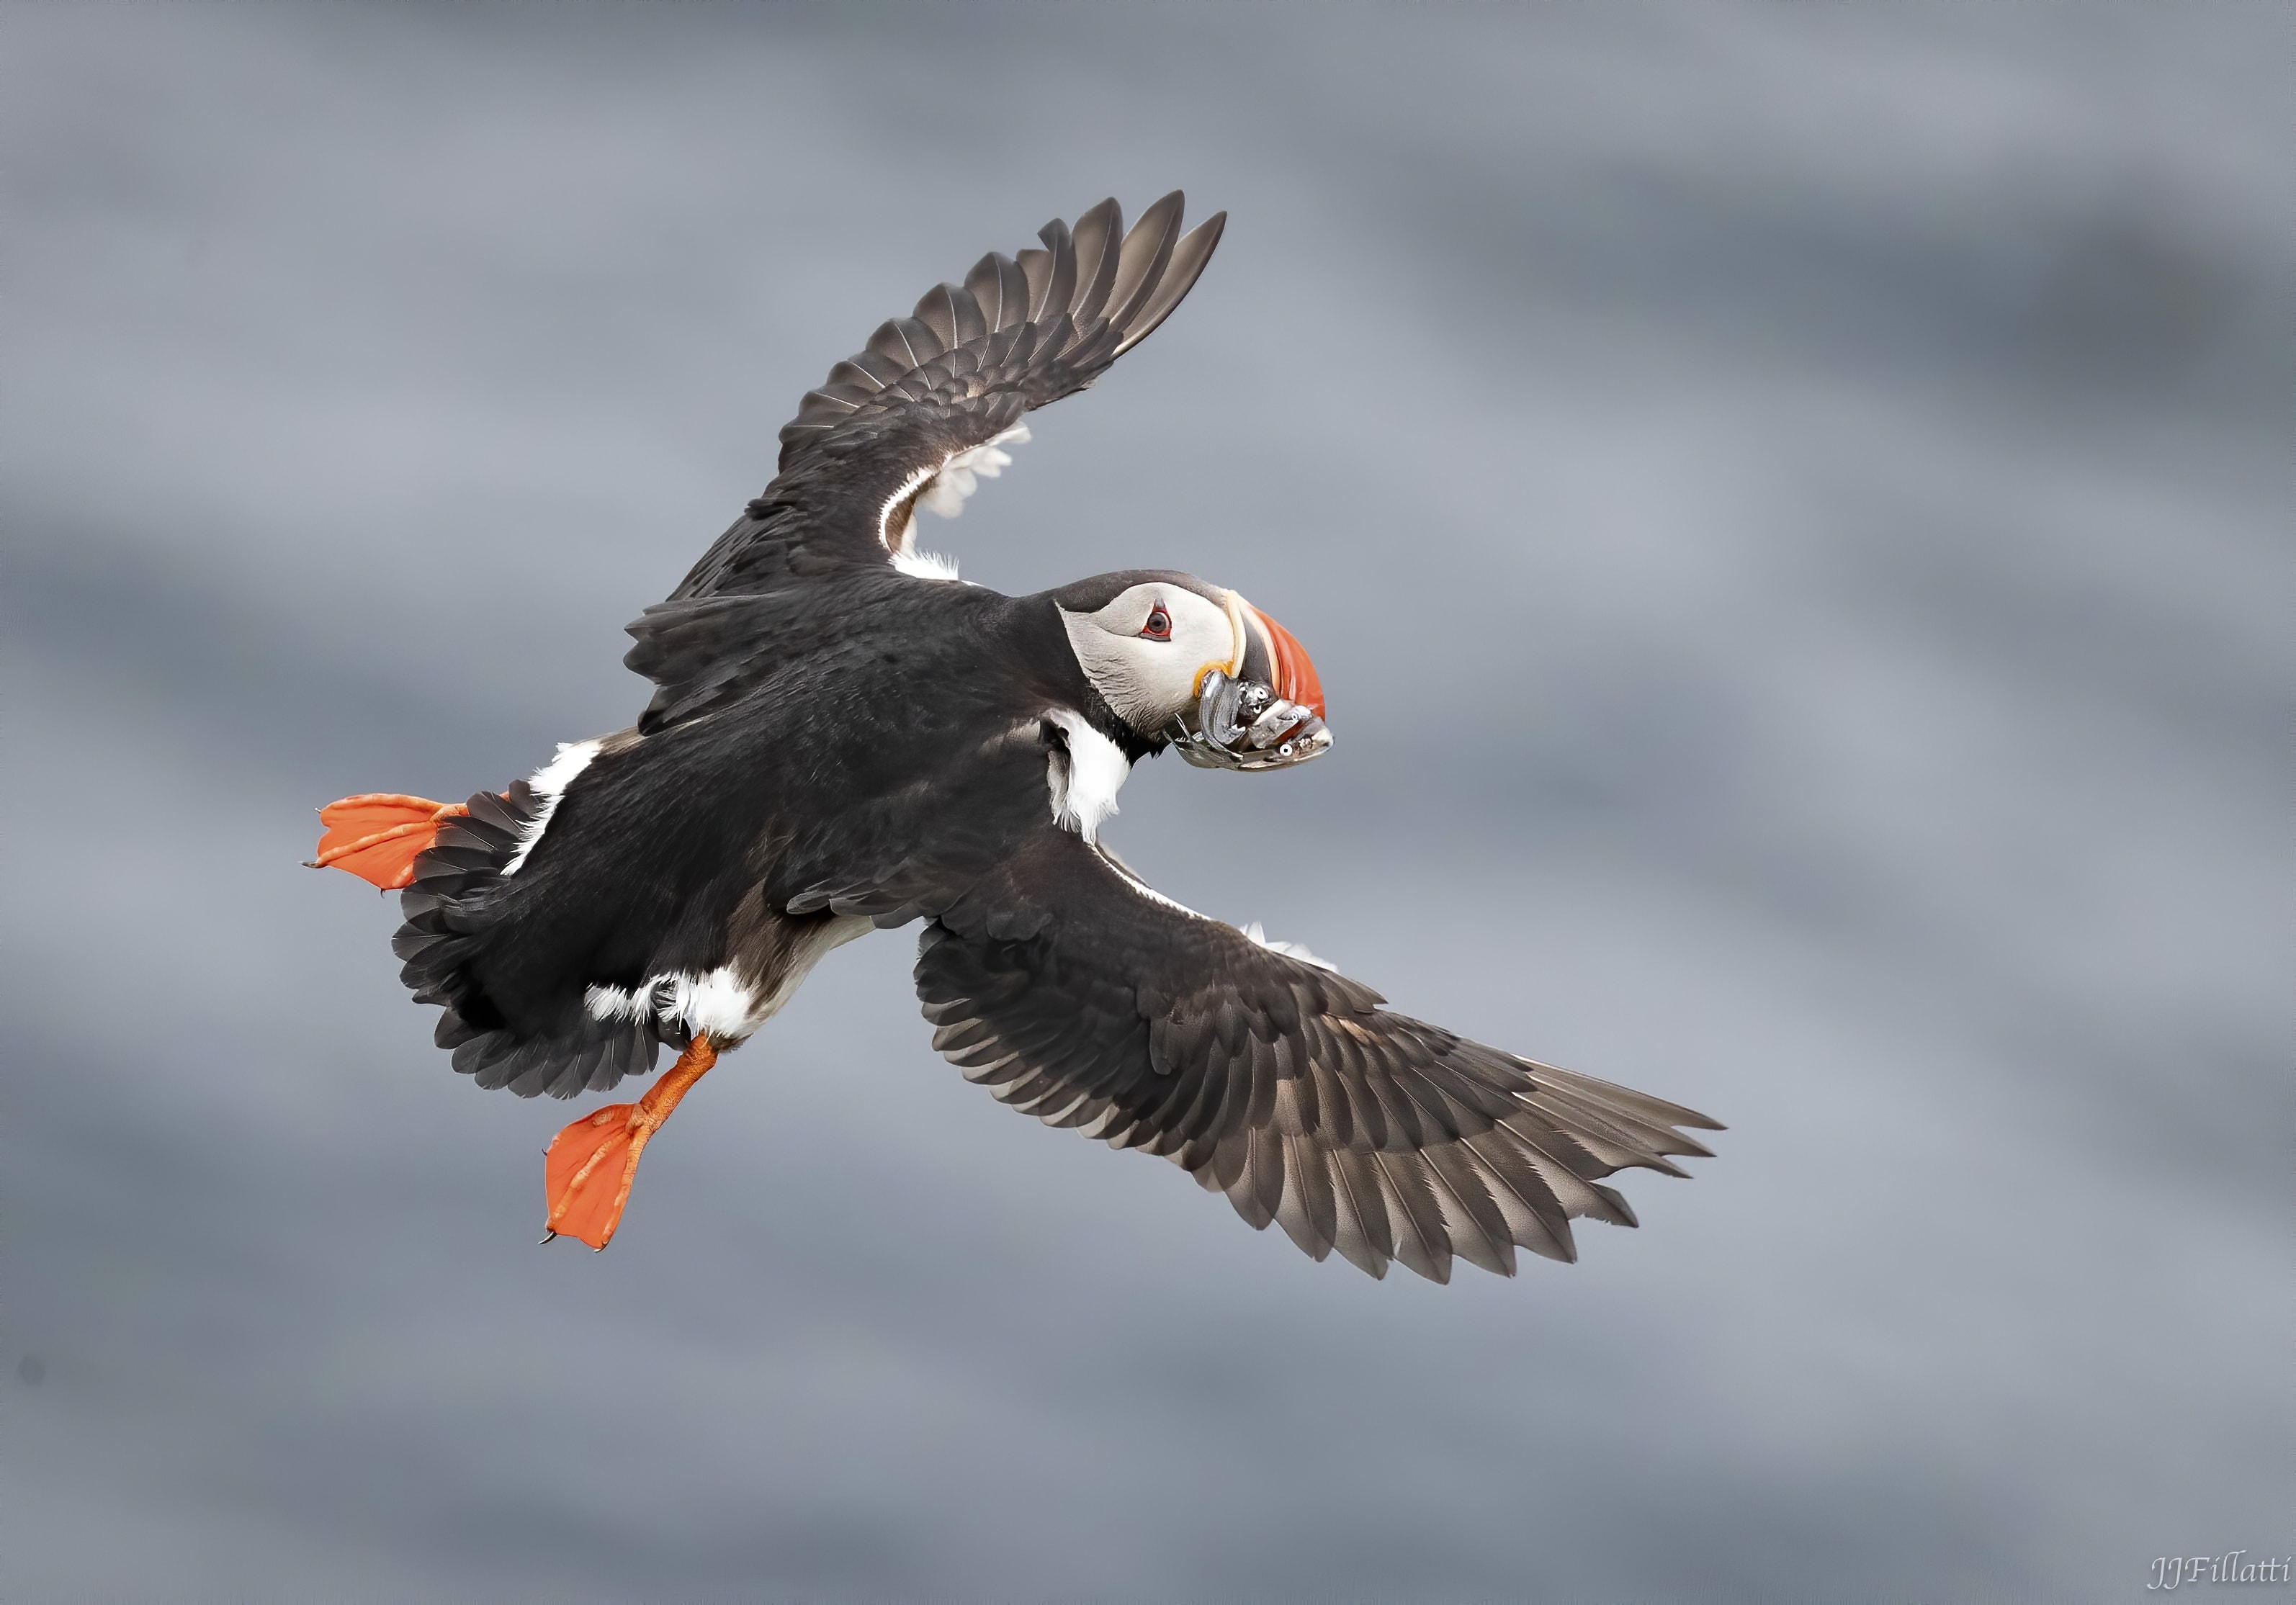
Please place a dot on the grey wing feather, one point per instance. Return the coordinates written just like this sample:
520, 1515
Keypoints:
964, 367
1075, 996
1113, 287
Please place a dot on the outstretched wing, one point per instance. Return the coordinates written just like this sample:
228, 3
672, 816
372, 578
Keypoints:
1077, 994
934, 399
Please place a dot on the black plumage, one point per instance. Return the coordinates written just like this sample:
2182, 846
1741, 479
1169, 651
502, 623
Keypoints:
835, 743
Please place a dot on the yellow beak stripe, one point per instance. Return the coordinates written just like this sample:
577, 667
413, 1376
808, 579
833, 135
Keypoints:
1234, 665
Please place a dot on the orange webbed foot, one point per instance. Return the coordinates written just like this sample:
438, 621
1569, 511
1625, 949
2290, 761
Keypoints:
586, 1172
589, 1165
377, 834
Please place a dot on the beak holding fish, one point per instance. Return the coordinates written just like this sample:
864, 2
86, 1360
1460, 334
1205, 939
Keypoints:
1262, 710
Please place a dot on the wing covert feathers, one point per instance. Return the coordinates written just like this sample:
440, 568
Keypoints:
1287, 1088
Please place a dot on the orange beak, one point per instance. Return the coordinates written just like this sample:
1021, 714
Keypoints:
1289, 668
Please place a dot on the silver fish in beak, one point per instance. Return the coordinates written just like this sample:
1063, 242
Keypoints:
1266, 714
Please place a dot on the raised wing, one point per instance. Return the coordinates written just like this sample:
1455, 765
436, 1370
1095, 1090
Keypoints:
931, 402
1076, 993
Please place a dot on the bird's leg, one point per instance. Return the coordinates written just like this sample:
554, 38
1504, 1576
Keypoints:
376, 835
589, 1165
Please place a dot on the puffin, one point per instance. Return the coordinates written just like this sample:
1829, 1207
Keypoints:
844, 737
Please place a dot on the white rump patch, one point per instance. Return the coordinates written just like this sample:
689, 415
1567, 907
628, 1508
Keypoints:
1290, 950
717, 1003
1084, 779
620, 1002
548, 784
721, 1004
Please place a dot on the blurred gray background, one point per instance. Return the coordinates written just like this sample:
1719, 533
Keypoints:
1791, 507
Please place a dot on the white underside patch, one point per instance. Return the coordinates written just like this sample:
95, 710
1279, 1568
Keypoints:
548, 784
959, 476
1084, 780
892, 542
720, 1004
944, 489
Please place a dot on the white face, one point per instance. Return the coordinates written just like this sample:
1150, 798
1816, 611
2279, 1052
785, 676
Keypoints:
1147, 651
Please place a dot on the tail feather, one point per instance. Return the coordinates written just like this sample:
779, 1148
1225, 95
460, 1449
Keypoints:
456, 898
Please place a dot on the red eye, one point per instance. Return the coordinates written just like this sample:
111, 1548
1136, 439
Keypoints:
1159, 627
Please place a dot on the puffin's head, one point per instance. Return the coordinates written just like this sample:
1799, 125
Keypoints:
1184, 661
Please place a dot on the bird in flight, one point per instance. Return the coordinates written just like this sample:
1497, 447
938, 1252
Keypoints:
844, 737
